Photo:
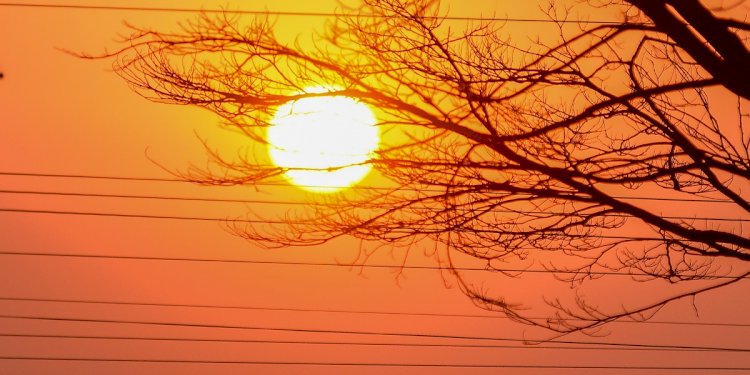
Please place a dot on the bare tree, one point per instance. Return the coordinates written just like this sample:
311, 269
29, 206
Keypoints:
544, 154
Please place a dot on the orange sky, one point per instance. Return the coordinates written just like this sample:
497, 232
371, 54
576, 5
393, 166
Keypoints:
62, 115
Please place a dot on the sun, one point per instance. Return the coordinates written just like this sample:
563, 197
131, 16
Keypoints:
324, 141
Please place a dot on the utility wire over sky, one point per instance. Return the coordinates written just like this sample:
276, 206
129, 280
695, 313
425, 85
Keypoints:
333, 311
125, 8
384, 364
109, 267
282, 184
736, 277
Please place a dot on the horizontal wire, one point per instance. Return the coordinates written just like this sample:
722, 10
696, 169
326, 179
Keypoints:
365, 333
143, 216
351, 343
381, 364
281, 184
295, 13
284, 222
341, 311
160, 197
280, 202
94, 177
352, 265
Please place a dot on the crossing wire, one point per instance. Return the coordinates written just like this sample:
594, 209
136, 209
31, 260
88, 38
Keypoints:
122, 8
351, 265
281, 184
297, 203
364, 333
381, 364
349, 343
343, 311
288, 222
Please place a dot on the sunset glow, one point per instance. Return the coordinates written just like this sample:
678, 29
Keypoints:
408, 187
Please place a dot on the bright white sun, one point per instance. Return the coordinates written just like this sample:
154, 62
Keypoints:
324, 141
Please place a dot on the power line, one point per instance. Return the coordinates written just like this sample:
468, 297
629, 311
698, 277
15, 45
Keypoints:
381, 364
350, 343
160, 197
95, 177
281, 184
293, 13
143, 216
341, 311
284, 222
366, 333
280, 202
352, 265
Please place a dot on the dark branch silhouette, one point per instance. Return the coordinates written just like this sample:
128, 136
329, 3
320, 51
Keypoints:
528, 153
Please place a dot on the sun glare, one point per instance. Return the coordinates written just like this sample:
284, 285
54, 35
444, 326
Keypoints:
323, 141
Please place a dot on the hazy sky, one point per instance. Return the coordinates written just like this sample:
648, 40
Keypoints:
63, 115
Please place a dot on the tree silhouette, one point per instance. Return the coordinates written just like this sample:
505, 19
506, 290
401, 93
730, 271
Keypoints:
562, 154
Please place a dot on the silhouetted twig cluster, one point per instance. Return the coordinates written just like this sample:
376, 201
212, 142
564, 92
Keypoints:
502, 148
